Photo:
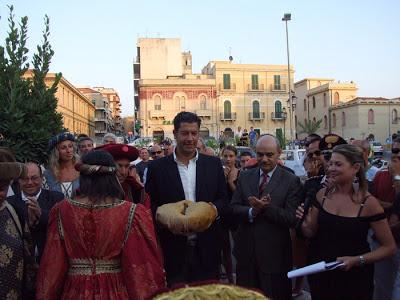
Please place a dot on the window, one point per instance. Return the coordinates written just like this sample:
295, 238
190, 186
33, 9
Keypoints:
203, 102
313, 102
394, 116
305, 105
336, 98
183, 103
314, 120
256, 109
334, 120
371, 117
343, 119
325, 102
227, 81
177, 104
278, 109
277, 82
227, 110
325, 122
254, 82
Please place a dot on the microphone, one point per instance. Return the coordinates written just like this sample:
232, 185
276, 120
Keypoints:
310, 195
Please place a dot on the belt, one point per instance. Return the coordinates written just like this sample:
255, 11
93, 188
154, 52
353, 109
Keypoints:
93, 266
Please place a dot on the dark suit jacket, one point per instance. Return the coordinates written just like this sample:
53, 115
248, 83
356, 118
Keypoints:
46, 200
164, 186
266, 241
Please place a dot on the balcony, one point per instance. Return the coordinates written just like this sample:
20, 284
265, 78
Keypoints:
100, 131
278, 116
254, 116
101, 119
205, 113
157, 114
231, 89
255, 88
227, 116
278, 87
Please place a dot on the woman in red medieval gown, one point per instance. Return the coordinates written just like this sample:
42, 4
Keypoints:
99, 247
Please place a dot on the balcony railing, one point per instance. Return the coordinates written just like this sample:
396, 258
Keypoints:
204, 112
255, 88
278, 87
278, 115
232, 87
101, 119
157, 114
227, 116
256, 116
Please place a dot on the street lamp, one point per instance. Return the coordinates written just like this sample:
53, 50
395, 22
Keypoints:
287, 17
284, 114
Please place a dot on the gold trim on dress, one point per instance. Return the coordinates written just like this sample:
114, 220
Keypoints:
129, 224
81, 266
95, 206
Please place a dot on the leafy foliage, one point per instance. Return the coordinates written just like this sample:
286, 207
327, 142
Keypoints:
309, 126
27, 107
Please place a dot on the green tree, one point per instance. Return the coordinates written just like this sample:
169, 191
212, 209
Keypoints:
27, 107
309, 126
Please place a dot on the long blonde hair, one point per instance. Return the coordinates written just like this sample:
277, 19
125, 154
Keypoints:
54, 160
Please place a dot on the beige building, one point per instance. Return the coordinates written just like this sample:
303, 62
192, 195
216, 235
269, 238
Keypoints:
225, 95
363, 117
76, 109
251, 95
315, 99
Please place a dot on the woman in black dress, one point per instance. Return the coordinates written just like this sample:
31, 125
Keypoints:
338, 225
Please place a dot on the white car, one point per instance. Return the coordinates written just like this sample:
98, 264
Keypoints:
294, 159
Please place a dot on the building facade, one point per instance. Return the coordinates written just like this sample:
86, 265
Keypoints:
77, 110
251, 95
316, 98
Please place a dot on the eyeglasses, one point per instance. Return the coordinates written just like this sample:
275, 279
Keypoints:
156, 152
33, 178
327, 154
311, 154
395, 150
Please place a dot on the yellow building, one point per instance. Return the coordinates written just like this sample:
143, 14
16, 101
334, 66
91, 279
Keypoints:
76, 109
315, 99
251, 95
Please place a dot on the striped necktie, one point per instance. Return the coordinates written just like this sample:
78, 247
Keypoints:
263, 184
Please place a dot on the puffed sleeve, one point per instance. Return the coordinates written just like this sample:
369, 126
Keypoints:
53, 265
142, 264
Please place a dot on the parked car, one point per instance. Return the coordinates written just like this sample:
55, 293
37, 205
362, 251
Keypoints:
380, 163
377, 148
294, 159
143, 142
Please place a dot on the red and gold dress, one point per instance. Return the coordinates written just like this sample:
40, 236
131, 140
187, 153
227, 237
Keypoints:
100, 252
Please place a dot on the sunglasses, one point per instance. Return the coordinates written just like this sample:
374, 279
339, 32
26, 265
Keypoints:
395, 150
327, 155
156, 152
311, 154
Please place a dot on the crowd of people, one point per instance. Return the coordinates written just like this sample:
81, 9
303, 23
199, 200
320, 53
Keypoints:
90, 224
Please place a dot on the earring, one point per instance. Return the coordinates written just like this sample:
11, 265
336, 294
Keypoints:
356, 185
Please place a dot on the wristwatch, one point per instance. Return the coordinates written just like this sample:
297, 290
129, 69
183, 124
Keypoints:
362, 260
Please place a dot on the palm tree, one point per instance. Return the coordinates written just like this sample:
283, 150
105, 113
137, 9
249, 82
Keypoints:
309, 126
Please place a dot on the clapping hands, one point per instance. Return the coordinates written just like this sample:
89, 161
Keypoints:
259, 205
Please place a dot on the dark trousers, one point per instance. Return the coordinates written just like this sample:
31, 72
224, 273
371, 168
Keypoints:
194, 269
276, 286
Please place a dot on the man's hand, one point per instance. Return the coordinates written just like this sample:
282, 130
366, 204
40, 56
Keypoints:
259, 205
34, 211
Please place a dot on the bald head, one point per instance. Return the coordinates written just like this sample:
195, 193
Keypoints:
268, 151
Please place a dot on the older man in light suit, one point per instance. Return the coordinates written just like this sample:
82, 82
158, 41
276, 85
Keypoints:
264, 204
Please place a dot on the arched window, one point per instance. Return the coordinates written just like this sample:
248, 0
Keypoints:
177, 104
371, 117
394, 116
203, 102
336, 98
256, 109
313, 102
343, 119
183, 103
278, 109
305, 105
157, 102
325, 122
227, 110
334, 120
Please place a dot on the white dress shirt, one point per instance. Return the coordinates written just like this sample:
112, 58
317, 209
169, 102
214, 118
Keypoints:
25, 198
188, 176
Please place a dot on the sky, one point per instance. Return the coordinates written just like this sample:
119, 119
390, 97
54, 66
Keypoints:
95, 41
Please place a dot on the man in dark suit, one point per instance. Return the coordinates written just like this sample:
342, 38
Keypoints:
33, 204
187, 174
264, 204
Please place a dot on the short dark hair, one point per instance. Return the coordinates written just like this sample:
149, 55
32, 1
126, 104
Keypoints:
99, 186
84, 138
185, 117
396, 140
245, 153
